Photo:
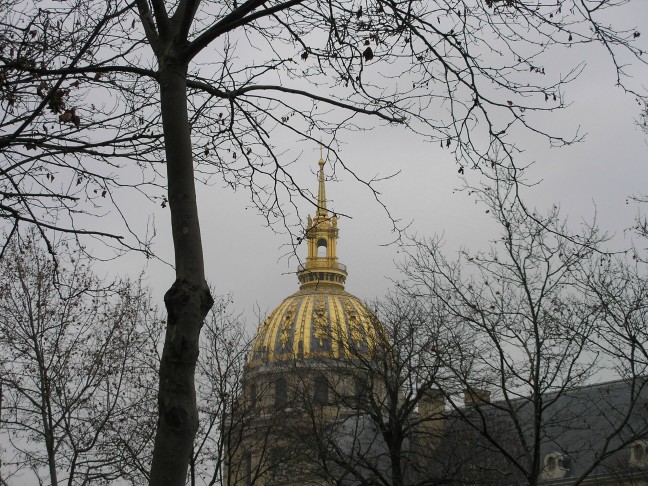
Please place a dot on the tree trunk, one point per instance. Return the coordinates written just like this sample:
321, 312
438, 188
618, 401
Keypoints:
49, 446
46, 400
188, 300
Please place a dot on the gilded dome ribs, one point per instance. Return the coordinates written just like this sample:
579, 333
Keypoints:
287, 325
320, 320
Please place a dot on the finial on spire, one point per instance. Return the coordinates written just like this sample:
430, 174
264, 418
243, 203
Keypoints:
321, 194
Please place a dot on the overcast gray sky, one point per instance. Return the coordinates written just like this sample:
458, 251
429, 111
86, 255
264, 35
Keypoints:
594, 177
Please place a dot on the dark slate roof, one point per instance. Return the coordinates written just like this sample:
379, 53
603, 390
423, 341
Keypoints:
591, 427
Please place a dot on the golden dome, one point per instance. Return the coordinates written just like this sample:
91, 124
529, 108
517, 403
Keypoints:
321, 320
316, 322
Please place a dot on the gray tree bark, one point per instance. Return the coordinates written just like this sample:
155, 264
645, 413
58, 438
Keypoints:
188, 300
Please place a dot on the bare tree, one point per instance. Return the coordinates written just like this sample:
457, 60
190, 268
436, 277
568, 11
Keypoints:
617, 291
293, 67
66, 147
79, 374
224, 348
78, 368
383, 414
531, 343
641, 226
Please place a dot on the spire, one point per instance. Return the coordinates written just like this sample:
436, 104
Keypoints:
321, 266
321, 193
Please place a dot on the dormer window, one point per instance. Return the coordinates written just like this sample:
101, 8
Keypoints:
638, 454
556, 466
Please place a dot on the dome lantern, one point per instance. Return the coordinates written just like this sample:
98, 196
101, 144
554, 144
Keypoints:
322, 266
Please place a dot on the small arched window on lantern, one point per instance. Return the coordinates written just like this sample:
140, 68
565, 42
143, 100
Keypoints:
322, 251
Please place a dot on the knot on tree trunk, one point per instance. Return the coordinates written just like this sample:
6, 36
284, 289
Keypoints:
187, 305
185, 296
